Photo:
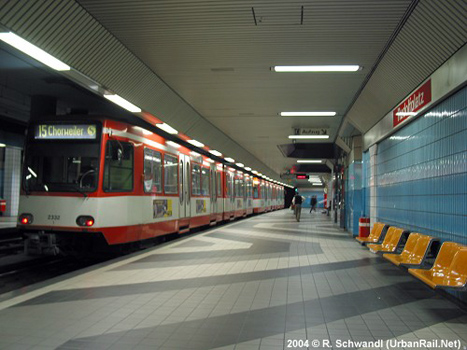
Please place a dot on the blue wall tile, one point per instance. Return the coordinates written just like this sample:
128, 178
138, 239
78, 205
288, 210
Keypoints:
421, 173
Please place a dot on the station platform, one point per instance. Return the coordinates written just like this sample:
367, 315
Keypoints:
266, 282
8, 222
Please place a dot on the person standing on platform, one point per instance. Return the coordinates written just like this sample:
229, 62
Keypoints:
297, 202
313, 203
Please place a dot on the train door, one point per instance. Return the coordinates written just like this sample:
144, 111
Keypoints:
213, 192
185, 193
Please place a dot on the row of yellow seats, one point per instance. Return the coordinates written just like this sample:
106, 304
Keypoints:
449, 269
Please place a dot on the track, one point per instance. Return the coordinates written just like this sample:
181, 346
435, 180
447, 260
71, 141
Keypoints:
24, 271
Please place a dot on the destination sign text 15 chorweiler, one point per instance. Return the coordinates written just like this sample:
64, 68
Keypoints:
65, 131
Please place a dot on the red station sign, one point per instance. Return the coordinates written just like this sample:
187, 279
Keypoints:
420, 98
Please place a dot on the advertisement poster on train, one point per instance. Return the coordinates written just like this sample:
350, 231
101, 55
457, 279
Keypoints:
200, 206
162, 208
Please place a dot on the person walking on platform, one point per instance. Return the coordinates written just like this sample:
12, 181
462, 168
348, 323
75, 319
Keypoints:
313, 203
297, 202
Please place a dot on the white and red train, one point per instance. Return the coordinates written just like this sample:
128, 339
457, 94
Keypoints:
92, 183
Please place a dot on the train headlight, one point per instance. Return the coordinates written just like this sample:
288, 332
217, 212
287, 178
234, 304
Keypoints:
26, 219
85, 220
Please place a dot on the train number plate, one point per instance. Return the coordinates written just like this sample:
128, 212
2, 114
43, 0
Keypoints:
53, 217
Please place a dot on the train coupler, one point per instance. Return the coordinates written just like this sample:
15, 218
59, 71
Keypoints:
41, 244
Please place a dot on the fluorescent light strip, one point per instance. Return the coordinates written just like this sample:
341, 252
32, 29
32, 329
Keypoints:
33, 51
241, 165
319, 68
308, 114
247, 168
216, 153
167, 128
230, 160
2, 145
305, 137
123, 103
173, 144
309, 161
196, 143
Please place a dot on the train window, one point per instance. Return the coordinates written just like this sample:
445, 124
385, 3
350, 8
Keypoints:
255, 190
170, 173
152, 171
219, 185
204, 181
118, 169
248, 189
195, 179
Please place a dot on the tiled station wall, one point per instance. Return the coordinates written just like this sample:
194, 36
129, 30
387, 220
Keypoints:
421, 173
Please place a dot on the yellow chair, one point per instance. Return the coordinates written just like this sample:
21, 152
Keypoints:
420, 251
375, 234
409, 248
457, 273
390, 243
441, 267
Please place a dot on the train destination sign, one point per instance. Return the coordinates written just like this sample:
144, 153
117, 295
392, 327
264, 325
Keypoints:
65, 131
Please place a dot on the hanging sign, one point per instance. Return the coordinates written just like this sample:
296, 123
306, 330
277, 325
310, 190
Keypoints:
409, 107
312, 131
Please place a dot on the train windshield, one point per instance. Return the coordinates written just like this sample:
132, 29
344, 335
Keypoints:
61, 166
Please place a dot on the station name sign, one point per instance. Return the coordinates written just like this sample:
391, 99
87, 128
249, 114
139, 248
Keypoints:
420, 98
65, 131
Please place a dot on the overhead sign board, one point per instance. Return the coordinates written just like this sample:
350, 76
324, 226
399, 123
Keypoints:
312, 131
65, 131
409, 107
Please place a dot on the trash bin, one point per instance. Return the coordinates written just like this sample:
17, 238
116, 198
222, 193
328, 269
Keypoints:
363, 227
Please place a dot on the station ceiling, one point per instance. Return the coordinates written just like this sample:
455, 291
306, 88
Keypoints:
204, 67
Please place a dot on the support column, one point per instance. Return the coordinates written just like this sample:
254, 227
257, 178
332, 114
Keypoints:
373, 183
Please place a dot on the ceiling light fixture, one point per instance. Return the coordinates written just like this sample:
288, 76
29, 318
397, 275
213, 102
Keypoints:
309, 161
216, 153
33, 51
241, 165
230, 160
308, 114
305, 137
173, 144
167, 128
317, 68
118, 100
247, 168
196, 143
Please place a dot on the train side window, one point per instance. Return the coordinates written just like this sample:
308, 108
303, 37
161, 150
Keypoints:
152, 171
118, 169
170, 174
195, 179
204, 181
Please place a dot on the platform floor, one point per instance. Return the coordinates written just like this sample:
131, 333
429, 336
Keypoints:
259, 283
8, 222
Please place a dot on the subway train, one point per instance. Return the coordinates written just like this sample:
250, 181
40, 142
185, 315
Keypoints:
94, 184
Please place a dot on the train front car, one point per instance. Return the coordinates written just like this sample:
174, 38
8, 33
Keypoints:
96, 184
60, 183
